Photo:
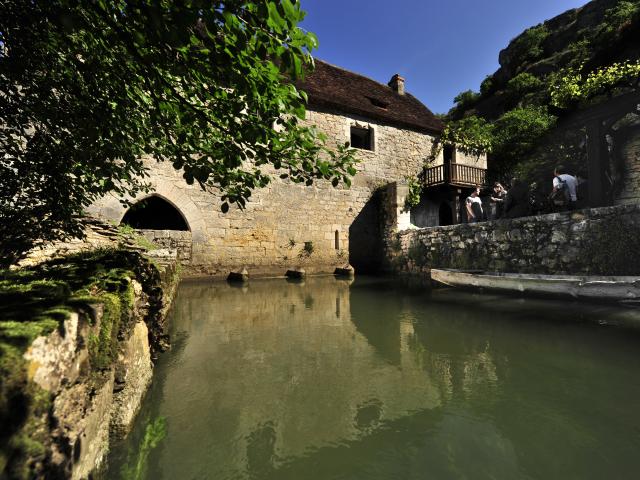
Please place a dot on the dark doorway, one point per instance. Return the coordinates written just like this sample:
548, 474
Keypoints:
154, 213
445, 215
365, 238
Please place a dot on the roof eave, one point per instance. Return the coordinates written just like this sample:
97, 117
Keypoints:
327, 104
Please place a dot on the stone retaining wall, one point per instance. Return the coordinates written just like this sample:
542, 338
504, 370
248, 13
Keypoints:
91, 404
586, 241
171, 239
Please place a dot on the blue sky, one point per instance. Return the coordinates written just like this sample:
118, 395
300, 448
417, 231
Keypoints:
440, 47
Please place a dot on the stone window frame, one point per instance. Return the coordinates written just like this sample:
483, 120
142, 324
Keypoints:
365, 126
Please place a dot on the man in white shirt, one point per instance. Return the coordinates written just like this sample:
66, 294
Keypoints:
567, 183
474, 206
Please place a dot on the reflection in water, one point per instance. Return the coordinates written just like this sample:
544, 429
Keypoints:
374, 379
138, 457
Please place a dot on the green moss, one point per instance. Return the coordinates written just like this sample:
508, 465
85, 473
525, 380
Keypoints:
35, 301
140, 240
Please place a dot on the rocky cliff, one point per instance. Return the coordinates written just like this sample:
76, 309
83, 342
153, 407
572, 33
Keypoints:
599, 33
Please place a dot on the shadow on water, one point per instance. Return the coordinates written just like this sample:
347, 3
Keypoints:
381, 379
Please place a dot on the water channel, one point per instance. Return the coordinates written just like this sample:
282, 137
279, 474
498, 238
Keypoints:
380, 379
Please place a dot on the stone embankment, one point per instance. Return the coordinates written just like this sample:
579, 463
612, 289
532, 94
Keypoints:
594, 241
80, 325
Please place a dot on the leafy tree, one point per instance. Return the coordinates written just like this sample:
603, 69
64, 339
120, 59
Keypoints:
87, 88
516, 133
472, 135
522, 84
466, 99
487, 86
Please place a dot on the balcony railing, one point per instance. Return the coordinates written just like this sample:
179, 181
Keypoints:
455, 174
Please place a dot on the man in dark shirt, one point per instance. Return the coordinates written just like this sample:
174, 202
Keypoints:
516, 204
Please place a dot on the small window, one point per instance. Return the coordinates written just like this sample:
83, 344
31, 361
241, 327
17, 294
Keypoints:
362, 138
337, 240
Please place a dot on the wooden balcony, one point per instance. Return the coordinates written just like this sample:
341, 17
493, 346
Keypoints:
455, 174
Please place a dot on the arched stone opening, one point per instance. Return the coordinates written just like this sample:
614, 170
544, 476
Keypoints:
155, 213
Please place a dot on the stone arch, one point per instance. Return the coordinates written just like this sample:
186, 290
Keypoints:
154, 212
187, 208
110, 208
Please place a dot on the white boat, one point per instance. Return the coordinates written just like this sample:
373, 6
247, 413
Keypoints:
576, 286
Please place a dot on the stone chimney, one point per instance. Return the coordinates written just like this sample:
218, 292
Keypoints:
397, 84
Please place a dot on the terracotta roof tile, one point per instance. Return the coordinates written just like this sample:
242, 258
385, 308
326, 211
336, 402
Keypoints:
334, 88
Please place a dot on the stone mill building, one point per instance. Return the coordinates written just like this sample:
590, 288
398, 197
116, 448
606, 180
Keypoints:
289, 225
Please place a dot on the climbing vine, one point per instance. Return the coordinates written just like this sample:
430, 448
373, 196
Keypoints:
415, 190
471, 135
570, 86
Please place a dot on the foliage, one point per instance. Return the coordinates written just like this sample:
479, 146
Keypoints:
559, 146
617, 18
569, 86
87, 88
516, 133
528, 47
396, 243
472, 135
415, 190
522, 84
580, 51
487, 85
464, 101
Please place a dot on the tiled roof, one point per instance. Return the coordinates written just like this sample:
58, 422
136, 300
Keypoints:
334, 88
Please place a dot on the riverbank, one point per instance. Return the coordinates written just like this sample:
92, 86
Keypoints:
78, 333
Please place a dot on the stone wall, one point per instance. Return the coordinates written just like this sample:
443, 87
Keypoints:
90, 404
586, 241
630, 153
171, 239
289, 225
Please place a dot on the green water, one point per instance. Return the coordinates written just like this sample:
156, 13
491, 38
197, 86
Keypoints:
377, 379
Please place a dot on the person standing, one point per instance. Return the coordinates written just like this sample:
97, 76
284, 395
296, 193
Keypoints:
564, 185
497, 200
474, 206
516, 203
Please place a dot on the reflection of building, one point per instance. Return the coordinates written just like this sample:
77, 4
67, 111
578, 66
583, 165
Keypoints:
284, 369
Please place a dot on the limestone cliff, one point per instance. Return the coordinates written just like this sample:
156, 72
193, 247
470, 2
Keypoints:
599, 33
